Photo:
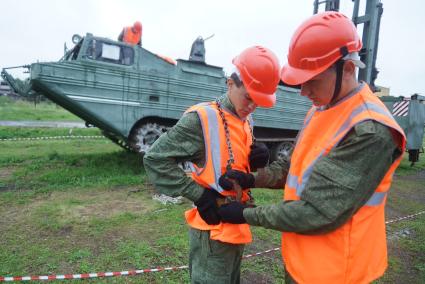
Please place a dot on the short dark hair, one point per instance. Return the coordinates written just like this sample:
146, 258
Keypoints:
236, 79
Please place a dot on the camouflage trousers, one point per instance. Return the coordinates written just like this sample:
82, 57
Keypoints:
213, 261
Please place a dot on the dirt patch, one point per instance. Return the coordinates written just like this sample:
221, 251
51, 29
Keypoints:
72, 212
405, 191
419, 175
253, 277
407, 195
84, 205
106, 209
406, 273
5, 174
75, 207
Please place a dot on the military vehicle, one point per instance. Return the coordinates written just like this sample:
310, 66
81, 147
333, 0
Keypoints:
410, 115
134, 95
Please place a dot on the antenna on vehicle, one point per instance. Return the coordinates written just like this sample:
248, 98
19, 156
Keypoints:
207, 38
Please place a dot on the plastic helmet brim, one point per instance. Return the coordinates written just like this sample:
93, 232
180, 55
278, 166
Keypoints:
295, 76
262, 99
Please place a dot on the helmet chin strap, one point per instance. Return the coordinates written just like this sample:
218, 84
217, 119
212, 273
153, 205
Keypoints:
339, 71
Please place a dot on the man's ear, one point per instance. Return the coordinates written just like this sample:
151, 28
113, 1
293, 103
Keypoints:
349, 68
230, 83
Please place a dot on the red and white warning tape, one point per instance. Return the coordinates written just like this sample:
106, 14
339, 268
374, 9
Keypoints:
110, 274
89, 275
405, 217
142, 271
260, 253
54, 138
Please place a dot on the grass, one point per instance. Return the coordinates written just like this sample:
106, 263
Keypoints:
405, 167
7, 132
23, 110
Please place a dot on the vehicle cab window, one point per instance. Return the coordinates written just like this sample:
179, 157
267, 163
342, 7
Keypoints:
109, 52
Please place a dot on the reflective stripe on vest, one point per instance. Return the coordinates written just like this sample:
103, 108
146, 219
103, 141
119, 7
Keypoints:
306, 122
292, 180
215, 147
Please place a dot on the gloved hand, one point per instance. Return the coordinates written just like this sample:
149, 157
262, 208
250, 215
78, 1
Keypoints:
207, 206
232, 213
259, 156
243, 179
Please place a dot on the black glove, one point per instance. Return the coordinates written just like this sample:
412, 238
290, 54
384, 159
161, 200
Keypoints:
243, 179
259, 156
232, 212
207, 206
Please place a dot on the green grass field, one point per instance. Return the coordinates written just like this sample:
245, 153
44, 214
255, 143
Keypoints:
78, 206
24, 110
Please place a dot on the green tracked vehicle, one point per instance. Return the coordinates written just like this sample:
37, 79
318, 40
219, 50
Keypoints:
134, 95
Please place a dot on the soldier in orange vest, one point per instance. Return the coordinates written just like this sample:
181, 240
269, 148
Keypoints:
132, 35
216, 139
338, 176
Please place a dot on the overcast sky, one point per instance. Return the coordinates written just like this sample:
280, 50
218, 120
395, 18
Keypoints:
36, 30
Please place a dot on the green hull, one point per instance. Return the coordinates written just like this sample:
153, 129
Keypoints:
119, 88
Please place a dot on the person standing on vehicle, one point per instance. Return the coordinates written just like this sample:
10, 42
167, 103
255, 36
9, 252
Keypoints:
216, 138
337, 179
132, 35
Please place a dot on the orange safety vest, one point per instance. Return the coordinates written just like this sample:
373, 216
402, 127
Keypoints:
356, 252
216, 156
131, 37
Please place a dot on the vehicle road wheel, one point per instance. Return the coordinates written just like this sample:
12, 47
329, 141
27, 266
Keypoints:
145, 135
281, 150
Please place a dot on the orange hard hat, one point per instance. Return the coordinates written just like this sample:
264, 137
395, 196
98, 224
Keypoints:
137, 26
318, 43
259, 71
